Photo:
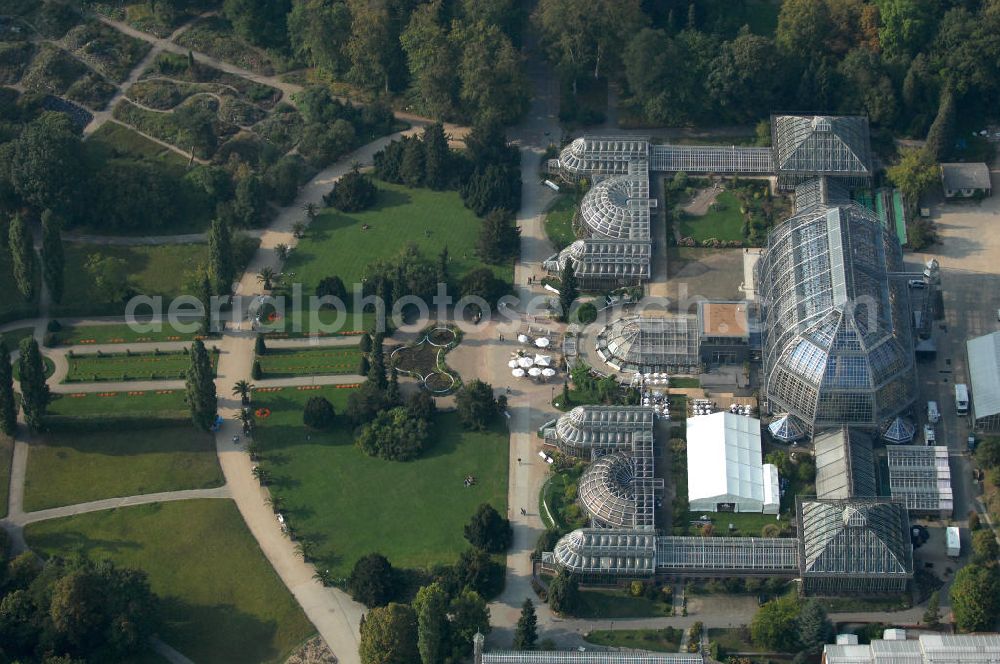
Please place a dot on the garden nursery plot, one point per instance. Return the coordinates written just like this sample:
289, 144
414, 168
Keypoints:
135, 366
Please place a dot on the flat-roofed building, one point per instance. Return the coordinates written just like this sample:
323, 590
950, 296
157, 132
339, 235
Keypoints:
724, 329
984, 376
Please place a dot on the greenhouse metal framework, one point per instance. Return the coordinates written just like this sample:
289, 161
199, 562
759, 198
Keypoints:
642, 343
481, 656
617, 208
857, 546
837, 349
863, 540
845, 464
921, 477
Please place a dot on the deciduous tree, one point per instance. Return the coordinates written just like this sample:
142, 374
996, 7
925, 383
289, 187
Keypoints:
373, 581
564, 593
431, 607
774, 625
389, 636
476, 405
975, 598
488, 530
110, 275
318, 413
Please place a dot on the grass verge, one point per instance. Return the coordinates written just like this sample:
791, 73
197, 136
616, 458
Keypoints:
667, 639
118, 333
222, 601
559, 221
70, 468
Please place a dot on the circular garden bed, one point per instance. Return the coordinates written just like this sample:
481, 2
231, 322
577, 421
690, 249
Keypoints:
424, 360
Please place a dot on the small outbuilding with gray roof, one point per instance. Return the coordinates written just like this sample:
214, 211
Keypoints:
966, 180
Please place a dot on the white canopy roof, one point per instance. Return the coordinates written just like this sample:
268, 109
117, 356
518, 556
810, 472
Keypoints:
725, 465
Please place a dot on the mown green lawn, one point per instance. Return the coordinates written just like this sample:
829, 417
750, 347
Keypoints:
659, 640
606, 603
149, 404
722, 224
559, 221
745, 524
137, 366
323, 322
221, 600
78, 467
336, 244
118, 333
312, 361
164, 270
351, 504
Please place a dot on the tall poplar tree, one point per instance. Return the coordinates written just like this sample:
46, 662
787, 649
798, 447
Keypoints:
220, 256
431, 607
201, 394
53, 260
567, 290
22, 255
8, 405
34, 391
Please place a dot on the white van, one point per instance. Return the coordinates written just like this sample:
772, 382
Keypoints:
933, 414
929, 436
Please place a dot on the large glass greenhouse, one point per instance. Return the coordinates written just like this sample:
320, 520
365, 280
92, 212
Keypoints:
836, 344
854, 546
643, 343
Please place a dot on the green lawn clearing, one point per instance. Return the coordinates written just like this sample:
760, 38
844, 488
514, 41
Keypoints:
722, 221
165, 270
559, 221
113, 139
6, 456
350, 504
222, 601
732, 639
659, 640
136, 366
70, 468
684, 381
335, 243
607, 603
278, 363
324, 322
100, 406
745, 524
118, 333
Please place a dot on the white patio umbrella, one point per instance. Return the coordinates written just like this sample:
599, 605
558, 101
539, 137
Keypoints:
542, 342
518, 373
523, 338
534, 372
512, 364
543, 360
525, 362
548, 372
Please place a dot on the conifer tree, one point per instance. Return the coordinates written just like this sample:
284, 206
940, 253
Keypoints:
392, 394
435, 156
206, 303
53, 260
567, 291
220, 256
377, 372
34, 391
8, 404
526, 632
22, 255
201, 394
